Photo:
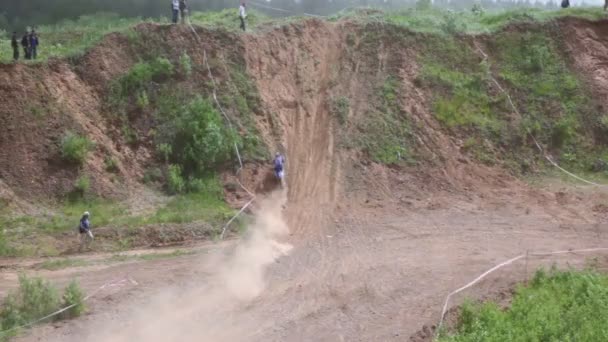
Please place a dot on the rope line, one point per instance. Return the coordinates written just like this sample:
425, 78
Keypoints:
538, 145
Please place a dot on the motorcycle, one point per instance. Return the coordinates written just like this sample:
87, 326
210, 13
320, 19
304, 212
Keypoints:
280, 176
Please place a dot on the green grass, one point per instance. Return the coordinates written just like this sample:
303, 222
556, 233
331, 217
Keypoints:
435, 20
385, 133
556, 306
53, 265
73, 37
149, 257
553, 103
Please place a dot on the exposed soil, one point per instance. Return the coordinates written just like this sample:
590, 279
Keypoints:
374, 249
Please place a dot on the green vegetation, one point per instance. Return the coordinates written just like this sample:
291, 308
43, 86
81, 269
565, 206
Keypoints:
73, 296
149, 257
436, 20
556, 306
140, 75
82, 185
111, 165
71, 38
74, 148
340, 108
53, 265
185, 63
200, 141
552, 102
175, 181
35, 299
385, 133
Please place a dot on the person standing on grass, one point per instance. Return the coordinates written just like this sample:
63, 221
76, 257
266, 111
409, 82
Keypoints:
25, 43
183, 10
33, 45
242, 15
15, 46
175, 10
86, 236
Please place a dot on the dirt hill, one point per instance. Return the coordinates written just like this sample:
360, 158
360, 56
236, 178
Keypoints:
366, 111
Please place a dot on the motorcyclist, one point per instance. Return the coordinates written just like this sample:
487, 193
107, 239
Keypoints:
279, 163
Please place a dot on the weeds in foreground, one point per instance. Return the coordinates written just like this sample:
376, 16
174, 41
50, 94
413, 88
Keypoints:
556, 306
36, 298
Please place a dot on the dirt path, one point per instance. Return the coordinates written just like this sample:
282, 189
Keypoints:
376, 275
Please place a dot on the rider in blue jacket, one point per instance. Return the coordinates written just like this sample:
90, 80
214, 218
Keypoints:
279, 163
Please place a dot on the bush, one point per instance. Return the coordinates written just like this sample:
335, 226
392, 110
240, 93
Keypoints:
141, 74
208, 185
142, 99
165, 151
186, 64
82, 184
340, 108
199, 139
74, 148
153, 175
175, 181
73, 295
34, 299
111, 164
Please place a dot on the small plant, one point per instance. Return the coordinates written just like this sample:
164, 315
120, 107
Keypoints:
185, 63
153, 175
82, 184
340, 108
129, 134
142, 99
73, 296
111, 164
175, 181
165, 151
74, 148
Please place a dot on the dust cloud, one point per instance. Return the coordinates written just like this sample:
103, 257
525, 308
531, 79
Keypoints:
213, 305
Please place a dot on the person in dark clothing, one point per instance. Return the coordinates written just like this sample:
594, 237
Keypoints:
25, 43
565, 3
175, 10
33, 45
183, 10
84, 228
242, 15
15, 46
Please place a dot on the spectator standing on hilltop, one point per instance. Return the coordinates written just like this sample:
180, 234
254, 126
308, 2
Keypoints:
175, 10
183, 10
242, 15
15, 46
25, 43
565, 3
33, 45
